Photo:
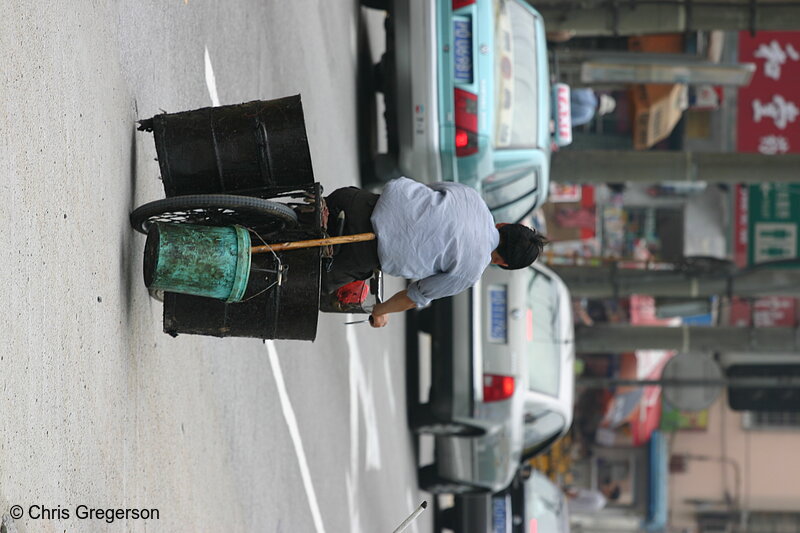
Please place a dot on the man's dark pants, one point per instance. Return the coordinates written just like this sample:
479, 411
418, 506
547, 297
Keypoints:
353, 261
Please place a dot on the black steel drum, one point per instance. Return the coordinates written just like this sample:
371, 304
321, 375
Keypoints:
288, 311
232, 148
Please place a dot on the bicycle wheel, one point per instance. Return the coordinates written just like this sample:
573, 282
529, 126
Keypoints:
264, 216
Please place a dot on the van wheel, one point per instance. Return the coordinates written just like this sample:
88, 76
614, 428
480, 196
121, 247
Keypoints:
376, 4
448, 518
430, 481
423, 421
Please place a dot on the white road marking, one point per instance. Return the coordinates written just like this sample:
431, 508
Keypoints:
352, 476
361, 395
294, 432
389, 386
360, 399
351, 485
211, 81
411, 507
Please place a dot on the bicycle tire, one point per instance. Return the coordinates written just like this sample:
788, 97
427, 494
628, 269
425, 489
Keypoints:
215, 210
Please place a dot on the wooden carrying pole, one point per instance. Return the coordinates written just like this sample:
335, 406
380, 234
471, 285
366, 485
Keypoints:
343, 239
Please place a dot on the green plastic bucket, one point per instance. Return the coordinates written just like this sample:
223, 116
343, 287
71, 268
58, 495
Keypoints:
200, 260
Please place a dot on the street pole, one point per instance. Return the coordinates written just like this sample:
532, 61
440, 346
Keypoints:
635, 69
758, 382
581, 67
630, 70
616, 338
610, 166
640, 18
608, 281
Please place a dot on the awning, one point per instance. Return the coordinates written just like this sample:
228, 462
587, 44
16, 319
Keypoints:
650, 364
658, 502
635, 406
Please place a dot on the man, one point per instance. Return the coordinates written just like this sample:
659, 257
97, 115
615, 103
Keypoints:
588, 501
585, 104
442, 236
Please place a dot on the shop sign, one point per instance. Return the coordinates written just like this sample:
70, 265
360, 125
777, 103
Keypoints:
768, 119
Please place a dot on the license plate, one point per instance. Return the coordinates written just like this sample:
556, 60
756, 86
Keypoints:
498, 312
499, 515
462, 43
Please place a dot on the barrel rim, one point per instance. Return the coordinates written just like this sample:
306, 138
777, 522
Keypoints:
242, 274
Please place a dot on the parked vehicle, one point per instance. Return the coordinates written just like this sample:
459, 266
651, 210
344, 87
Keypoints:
468, 97
502, 374
532, 504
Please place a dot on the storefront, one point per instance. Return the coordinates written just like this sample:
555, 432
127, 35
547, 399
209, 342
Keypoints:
642, 473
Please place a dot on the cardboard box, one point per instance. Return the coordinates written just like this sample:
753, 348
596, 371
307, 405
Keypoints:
657, 109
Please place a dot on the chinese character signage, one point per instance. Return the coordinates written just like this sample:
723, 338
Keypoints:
774, 213
775, 55
767, 215
768, 122
769, 107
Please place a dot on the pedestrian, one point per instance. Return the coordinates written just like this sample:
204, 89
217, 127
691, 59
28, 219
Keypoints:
588, 501
442, 236
585, 103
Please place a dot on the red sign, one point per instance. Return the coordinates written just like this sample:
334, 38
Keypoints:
769, 107
564, 111
740, 224
741, 312
650, 364
774, 312
769, 311
769, 123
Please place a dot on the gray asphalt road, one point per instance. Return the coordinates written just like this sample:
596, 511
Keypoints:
97, 406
